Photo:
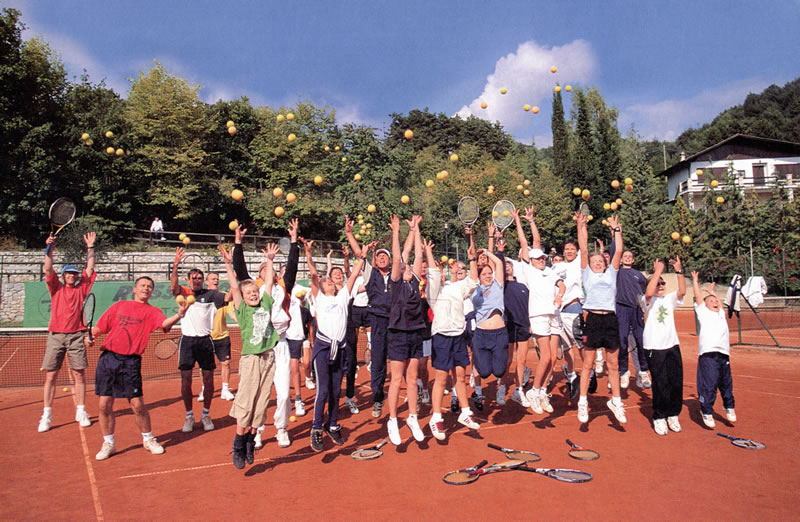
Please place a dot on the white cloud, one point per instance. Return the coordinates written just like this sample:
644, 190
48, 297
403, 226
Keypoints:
667, 119
527, 77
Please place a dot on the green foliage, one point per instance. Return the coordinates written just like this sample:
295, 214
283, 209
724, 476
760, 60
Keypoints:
682, 222
560, 149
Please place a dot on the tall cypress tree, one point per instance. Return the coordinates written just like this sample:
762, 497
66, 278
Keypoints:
560, 139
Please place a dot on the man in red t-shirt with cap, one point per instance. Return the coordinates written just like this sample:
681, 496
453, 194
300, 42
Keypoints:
65, 335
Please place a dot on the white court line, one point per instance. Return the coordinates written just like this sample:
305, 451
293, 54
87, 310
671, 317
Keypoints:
98, 509
9, 358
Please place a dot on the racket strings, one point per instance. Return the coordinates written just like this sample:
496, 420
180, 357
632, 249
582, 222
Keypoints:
62, 212
526, 456
460, 477
583, 454
570, 475
367, 454
468, 210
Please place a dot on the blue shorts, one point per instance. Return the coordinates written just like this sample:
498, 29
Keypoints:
518, 333
118, 376
403, 345
449, 352
295, 348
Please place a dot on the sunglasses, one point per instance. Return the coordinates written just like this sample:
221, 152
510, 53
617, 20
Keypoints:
662, 283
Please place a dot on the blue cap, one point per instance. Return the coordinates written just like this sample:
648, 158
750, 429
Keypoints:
70, 268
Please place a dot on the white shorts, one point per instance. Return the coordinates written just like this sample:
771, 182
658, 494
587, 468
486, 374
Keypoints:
543, 325
427, 344
566, 333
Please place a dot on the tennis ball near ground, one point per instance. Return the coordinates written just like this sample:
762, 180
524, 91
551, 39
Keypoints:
675, 236
290, 116
317, 180
109, 134
290, 197
279, 211
357, 177
187, 240
429, 183
454, 158
576, 191
237, 194
503, 90
85, 136
233, 225
110, 151
553, 69
292, 418
66, 389
229, 123
526, 107
628, 181
484, 105
404, 200
535, 109
189, 299
714, 183
371, 209
686, 239
291, 138
615, 183
182, 236
231, 130
277, 192
408, 134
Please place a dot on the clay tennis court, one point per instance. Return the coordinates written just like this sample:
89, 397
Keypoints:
640, 475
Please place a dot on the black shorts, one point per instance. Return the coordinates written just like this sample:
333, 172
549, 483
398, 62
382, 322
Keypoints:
403, 345
358, 316
118, 376
448, 352
198, 350
222, 347
517, 333
295, 348
601, 331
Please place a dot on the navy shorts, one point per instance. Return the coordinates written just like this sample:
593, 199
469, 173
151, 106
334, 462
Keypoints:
295, 348
403, 345
222, 347
118, 376
517, 333
449, 352
490, 352
601, 331
198, 350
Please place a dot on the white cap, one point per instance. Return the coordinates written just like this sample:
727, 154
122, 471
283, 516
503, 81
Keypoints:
536, 253
383, 250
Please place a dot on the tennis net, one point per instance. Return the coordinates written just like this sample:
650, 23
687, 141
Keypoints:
778, 316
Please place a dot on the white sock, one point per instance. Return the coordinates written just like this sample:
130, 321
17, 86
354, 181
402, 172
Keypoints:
48, 412
80, 408
147, 436
189, 413
583, 400
225, 386
466, 410
108, 438
617, 401
205, 412
436, 417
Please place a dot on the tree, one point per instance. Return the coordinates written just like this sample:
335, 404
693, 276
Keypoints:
682, 222
560, 148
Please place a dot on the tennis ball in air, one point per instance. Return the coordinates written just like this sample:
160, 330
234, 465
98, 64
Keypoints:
526, 107
187, 240
371, 208
619, 202
357, 235
369, 225
506, 213
119, 152
85, 136
568, 88
292, 418
698, 172
606, 206
357, 177
291, 138
686, 239
277, 192
443, 259
109, 134
110, 151
494, 213
454, 158
675, 236
182, 236
363, 230
615, 183
557, 88
585, 194
229, 123
405, 199
503, 90
614, 205
605, 223
279, 211
231, 130
290, 116
576, 191
429, 183
408, 134
337, 147
591, 217
317, 180
527, 182
327, 148
720, 200
360, 217
490, 190
280, 117
628, 188
290, 197
89, 142
484, 105
237, 194
535, 109
66, 389
628, 181
553, 69
714, 183
233, 225
444, 174
344, 158
520, 187
189, 299
526, 192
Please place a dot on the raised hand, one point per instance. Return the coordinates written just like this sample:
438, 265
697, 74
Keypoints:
471, 252
658, 266
226, 256
180, 255
676, 264
581, 219
271, 250
491, 228
530, 212
394, 223
238, 234
500, 245
695, 276
345, 252
293, 226
348, 225
89, 238
613, 222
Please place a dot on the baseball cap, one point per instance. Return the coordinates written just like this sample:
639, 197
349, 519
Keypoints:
70, 268
536, 253
383, 250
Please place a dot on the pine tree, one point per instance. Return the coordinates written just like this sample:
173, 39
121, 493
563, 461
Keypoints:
560, 140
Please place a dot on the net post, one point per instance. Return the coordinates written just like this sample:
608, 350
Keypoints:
755, 312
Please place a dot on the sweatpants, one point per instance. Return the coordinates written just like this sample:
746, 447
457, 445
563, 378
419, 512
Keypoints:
282, 382
356, 318
378, 337
666, 370
329, 384
714, 372
631, 320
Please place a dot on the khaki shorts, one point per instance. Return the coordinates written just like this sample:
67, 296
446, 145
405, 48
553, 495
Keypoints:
59, 344
256, 373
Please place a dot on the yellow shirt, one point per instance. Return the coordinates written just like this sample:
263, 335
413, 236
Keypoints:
220, 325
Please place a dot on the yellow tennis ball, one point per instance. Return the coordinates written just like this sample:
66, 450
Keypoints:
277, 192
189, 299
344, 158
576, 191
535, 109
454, 158
110, 151
360, 217
229, 123
687, 239
439, 175
526, 107
720, 200
119, 152
291, 138
449, 261
628, 181
484, 105
590, 217
280, 117
357, 235
520, 187
429, 183
494, 213
369, 225
336, 147
506, 213
606, 206
290, 197
619, 202
279, 211
317, 180
109, 134
445, 174
290, 116
292, 418
553, 69
408, 134
187, 240
714, 183
628, 188
405, 199
527, 182
443, 259
557, 88
66, 389
614, 205
585, 194
490, 190
503, 90
371, 208
357, 177
231, 130
605, 223
182, 236
526, 192
675, 236
363, 230
568, 88
233, 225
615, 183
85, 136
698, 172
237, 194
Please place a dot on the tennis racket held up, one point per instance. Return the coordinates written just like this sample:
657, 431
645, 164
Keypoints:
87, 314
61, 214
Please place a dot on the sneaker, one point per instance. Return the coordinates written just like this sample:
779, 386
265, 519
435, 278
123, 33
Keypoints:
226, 395
250, 447
660, 426
200, 396
82, 418
300, 410
377, 408
316, 440
646, 382
44, 423
501, 395
206, 421
708, 420
598, 367
468, 420
477, 400
335, 433
310, 384
416, 431
394, 431
282, 436
188, 425
426, 396
674, 424
239, 451
618, 411
106, 451
258, 442
533, 399
583, 412
153, 446
544, 401
454, 404
520, 398
731, 414
593, 382
437, 429
625, 380
351, 403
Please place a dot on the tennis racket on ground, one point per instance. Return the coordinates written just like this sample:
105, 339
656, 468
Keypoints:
468, 210
369, 453
501, 214
61, 214
743, 443
564, 475
165, 348
581, 453
470, 475
87, 314
512, 454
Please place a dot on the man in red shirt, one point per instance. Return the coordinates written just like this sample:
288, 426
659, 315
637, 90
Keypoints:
119, 368
65, 335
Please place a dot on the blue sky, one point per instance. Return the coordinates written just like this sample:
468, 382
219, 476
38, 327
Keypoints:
665, 65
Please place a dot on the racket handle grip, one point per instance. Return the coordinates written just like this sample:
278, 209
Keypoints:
495, 446
89, 333
481, 463
48, 250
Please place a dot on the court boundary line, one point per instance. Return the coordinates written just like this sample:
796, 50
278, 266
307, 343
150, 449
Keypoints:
98, 508
9, 358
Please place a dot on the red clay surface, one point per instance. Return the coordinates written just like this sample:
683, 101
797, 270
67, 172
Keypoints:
690, 475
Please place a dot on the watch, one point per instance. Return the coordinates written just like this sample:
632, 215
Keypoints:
617, 229
680, 272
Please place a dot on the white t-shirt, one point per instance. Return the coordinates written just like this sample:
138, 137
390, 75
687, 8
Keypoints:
659, 327
714, 335
331, 311
359, 298
280, 319
571, 274
542, 288
295, 331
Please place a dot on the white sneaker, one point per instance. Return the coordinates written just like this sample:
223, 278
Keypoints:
660, 425
643, 380
426, 396
674, 424
394, 431
44, 423
416, 431
598, 366
618, 411
437, 429
106, 451
188, 425
82, 418
351, 403
544, 401
282, 436
625, 380
533, 399
259, 443
708, 420
299, 408
310, 384
583, 412
501, 395
226, 395
153, 446
520, 398
466, 419
206, 421
200, 396
731, 414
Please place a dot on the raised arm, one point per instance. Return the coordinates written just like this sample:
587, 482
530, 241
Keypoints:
434, 283
583, 239
472, 258
234, 291
523, 241
174, 287
290, 276
90, 239
351, 239
351, 279
408, 244
313, 276
416, 220
616, 227
270, 251
328, 263
172, 320
48, 255
652, 285
237, 254
698, 292
678, 267
394, 224
497, 264
346, 256
530, 212
490, 228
